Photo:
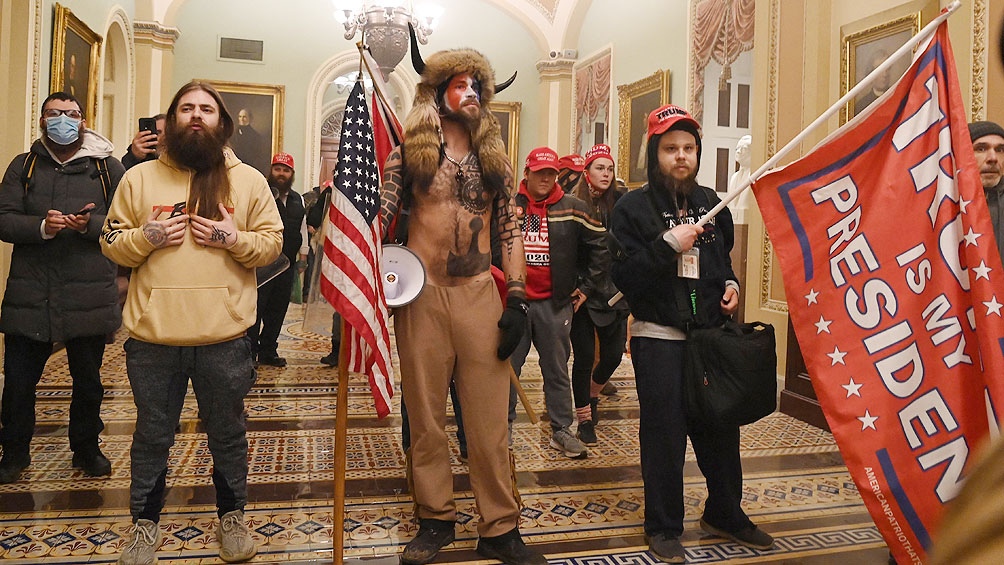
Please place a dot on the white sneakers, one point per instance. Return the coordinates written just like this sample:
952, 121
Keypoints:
565, 442
236, 544
142, 547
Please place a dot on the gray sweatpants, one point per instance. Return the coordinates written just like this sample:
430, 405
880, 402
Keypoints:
221, 375
549, 330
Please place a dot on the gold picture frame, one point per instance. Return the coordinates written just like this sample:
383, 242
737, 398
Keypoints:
75, 52
862, 51
256, 142
636, 102
507, 113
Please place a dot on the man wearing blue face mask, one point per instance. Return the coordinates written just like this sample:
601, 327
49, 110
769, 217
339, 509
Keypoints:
53, 201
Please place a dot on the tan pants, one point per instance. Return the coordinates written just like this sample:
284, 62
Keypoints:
452, 332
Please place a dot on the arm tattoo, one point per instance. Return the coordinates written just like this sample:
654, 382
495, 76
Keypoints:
155, 234
506, 221
219, 235
391, 193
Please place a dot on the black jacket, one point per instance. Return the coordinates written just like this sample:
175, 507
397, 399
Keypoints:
597, 303
59, 288
577, 247
129, 160
645, 266
292, 213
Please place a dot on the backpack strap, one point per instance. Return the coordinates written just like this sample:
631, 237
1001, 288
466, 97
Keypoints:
27, 168
106, 179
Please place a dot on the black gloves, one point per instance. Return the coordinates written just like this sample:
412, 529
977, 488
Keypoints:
513, 324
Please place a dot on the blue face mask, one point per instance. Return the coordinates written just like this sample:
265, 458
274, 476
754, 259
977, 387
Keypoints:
62, 129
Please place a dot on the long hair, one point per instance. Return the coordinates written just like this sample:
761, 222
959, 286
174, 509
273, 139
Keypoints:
210, 186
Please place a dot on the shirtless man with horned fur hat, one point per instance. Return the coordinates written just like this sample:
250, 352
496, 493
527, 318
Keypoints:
455, 178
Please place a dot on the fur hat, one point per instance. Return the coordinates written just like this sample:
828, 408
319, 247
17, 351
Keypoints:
422, 126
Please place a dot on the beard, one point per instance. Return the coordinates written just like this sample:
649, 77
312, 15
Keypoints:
199, 150
677, 188
459, 115
282, 185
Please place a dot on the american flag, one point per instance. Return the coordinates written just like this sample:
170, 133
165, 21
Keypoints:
350, 268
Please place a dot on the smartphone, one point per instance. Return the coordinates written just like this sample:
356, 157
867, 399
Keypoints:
148, 124
85, 210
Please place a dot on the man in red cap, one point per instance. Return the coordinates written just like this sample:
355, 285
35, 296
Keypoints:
676, 275
570, 169
273, 296
558, 236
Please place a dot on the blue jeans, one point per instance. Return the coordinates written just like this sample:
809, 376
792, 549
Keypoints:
221, 375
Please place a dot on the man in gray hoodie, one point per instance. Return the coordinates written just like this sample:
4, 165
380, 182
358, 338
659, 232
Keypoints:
53, 201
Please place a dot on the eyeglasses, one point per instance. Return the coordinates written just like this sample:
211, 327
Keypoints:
54, 113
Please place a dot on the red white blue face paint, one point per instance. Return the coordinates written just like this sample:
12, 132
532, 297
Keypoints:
462, 90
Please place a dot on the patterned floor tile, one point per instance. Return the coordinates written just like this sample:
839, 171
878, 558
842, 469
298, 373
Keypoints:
291, 415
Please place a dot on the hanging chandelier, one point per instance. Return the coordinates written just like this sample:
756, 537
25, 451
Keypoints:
384, 26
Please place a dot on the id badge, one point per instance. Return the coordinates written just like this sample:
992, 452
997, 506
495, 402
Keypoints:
689, 264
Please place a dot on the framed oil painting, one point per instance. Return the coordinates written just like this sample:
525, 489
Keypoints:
861, 52
507, 113
75, 52
636, 101
258, 117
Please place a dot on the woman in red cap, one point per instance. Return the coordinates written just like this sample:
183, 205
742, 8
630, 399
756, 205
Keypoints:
597, 320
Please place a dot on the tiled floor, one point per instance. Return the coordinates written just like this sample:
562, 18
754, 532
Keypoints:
579, 512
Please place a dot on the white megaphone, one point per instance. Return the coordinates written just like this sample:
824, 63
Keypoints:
402, 273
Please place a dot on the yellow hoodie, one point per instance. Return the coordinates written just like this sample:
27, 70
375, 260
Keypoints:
190, 294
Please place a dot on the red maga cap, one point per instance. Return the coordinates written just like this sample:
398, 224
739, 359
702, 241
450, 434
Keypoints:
573, 162
542, 158
665, 117
598, 151
283, 159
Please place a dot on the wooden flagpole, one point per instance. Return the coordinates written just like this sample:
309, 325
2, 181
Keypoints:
341, 432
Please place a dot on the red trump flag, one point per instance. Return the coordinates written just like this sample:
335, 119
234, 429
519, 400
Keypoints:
895, 293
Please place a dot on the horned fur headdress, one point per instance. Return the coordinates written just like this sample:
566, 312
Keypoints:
422, 128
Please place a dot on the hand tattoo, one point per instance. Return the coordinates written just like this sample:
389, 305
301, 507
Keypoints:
219, 235
155, 234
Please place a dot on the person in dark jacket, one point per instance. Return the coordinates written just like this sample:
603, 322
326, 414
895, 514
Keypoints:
145, 145
60, 287
273, 296
676, 275
560, 241
597, 322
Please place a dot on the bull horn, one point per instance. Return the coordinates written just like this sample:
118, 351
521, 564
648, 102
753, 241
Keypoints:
416, 57
505, 85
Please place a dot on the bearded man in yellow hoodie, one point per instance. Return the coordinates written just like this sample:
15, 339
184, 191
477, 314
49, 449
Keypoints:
192, 225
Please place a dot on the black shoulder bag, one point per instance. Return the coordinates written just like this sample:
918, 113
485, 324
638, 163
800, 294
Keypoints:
729, 371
